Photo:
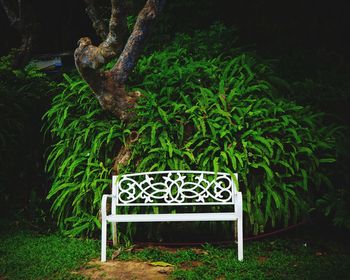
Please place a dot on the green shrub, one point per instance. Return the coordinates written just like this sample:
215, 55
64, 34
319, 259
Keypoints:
197, 111
81, 159
334, 202
24, 98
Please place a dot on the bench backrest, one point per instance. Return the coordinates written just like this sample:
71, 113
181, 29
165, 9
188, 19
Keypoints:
163, 188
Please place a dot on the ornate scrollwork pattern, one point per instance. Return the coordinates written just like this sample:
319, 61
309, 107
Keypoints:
174, 188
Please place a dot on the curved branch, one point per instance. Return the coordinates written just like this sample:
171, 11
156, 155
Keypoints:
135, 43
24, 21
114, 42
97, 21
109, 86
11, 15
91, 58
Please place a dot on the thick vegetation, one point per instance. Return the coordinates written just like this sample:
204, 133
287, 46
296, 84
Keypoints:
205, 105
24, 95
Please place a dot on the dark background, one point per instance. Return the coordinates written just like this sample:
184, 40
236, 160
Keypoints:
272, 26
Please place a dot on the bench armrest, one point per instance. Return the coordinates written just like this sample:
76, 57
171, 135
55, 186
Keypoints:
104, 204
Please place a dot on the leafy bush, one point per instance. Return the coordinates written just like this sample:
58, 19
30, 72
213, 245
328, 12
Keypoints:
81, 159
24, 98
203, 106
334, 203
327, 89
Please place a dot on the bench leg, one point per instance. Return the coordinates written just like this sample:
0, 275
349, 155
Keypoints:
240, 238
103, 240
114, 234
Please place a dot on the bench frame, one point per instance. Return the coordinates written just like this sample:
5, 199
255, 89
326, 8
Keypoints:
127, 191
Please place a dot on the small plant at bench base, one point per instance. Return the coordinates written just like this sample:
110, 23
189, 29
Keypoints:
173, 188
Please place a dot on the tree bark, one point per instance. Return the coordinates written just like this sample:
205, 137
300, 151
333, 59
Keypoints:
23, 21
97, 21
124, 154
109, 86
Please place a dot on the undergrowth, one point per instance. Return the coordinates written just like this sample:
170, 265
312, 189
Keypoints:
205, 107
24, 97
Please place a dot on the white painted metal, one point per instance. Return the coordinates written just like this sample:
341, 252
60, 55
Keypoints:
173, 188
185, 217
239, 211
104, 227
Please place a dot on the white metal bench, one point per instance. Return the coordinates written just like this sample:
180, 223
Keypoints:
174, 188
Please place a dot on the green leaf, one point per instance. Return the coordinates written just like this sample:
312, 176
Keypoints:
216, 165
160, 263
163, 115
267, 169
327, 160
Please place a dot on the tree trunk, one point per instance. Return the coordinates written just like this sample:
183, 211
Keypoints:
21, 17
98, 22
109, 86
25, 50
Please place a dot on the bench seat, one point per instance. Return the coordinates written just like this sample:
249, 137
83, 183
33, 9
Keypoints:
182, 217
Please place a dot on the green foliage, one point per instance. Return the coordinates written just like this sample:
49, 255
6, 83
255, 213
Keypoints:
222, 114
205, 105
334, 202
320, 78
16, 87
24, 95
82, 157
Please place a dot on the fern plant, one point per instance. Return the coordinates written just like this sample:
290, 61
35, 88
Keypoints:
205, 107
80, 161
223, 116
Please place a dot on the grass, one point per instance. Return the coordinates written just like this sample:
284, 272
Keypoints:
304, 255
269, 259
27, 255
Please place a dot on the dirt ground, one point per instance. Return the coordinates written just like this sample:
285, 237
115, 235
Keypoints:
124, 270
134, 270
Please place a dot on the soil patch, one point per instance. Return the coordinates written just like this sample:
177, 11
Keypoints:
123, 270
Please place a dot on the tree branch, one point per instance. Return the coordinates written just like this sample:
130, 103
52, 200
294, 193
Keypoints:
114, 43
135, 43
11, 15
109, 86
25, 24
89, 58
97, 21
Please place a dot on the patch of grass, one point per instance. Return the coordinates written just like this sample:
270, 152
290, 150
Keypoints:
25, 255
154, 254
279, 258
300, 255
